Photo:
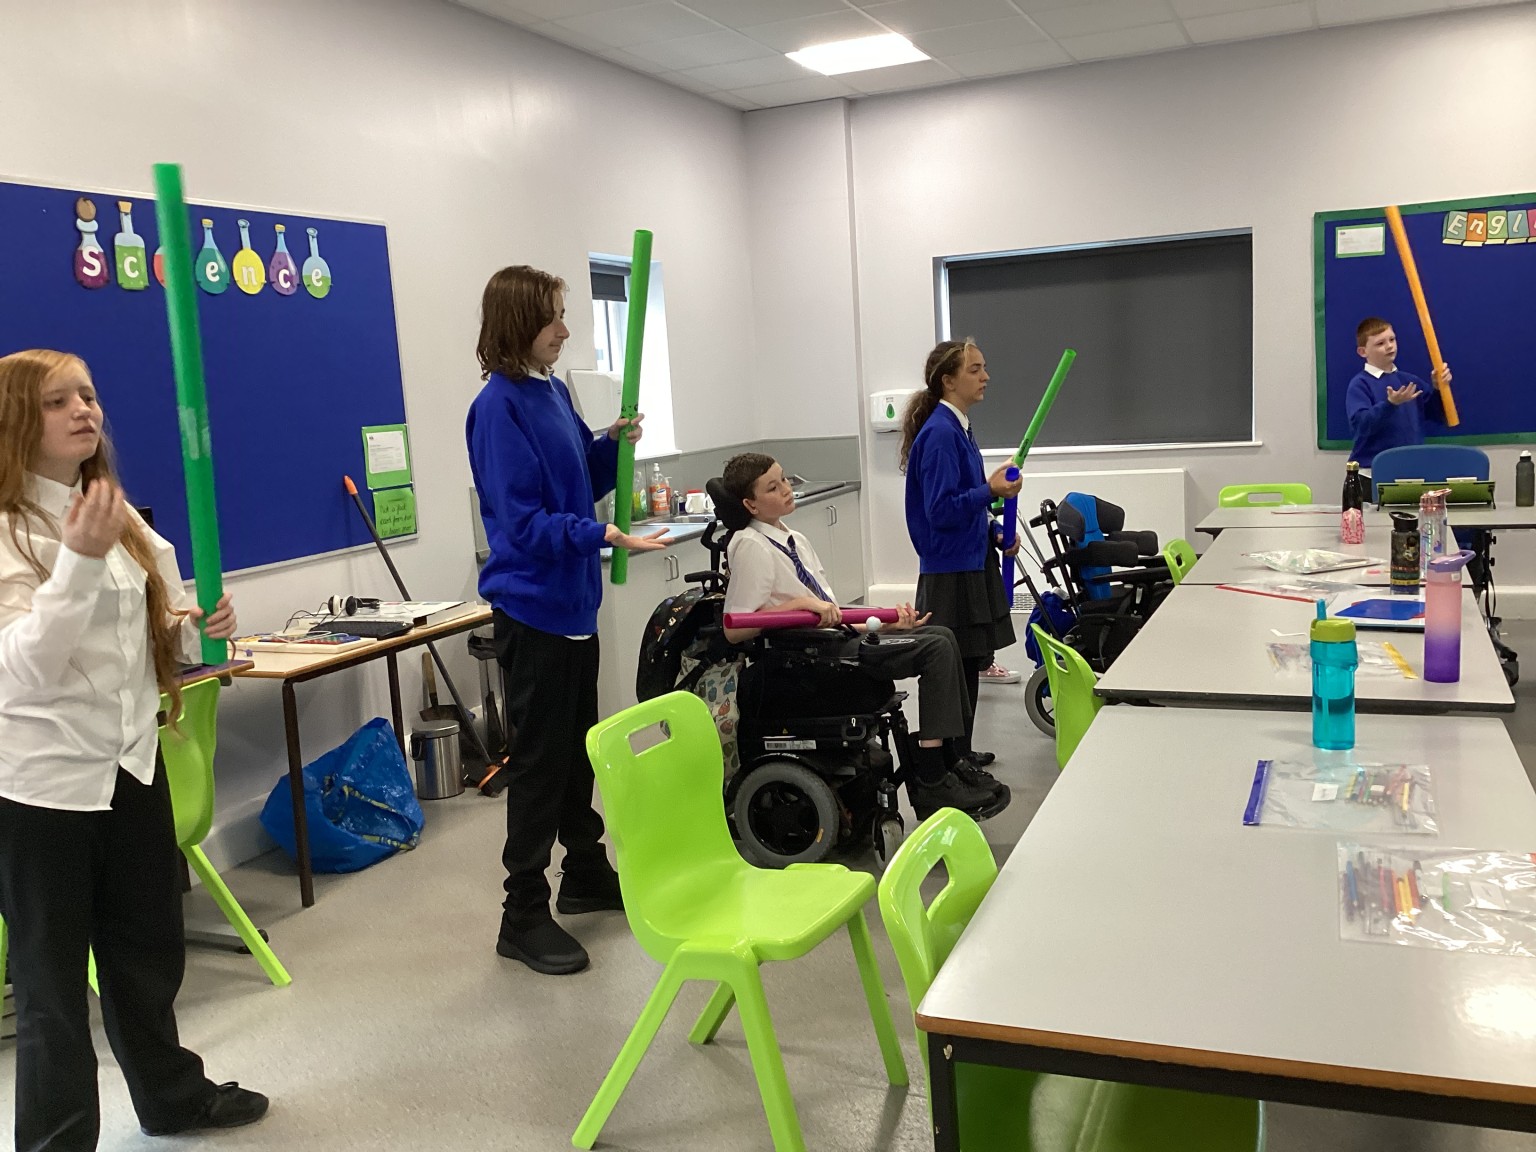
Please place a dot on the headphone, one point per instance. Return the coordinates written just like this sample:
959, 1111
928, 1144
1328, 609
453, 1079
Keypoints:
348, 605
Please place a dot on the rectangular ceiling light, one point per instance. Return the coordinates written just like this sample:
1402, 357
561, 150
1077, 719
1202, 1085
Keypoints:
858, 55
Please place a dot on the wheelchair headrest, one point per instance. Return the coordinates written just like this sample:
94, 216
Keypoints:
730, 511
1086, 519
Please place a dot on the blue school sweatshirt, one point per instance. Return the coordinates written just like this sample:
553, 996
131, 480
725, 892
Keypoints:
539, 470
947, 497
1379, 424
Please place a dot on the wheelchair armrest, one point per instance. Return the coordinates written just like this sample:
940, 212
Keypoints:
1146, 542
1105, 553
802, 639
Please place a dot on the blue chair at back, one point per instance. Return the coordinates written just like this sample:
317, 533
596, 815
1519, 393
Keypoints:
1429, 462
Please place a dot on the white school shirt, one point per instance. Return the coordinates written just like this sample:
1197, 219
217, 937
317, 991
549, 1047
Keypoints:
762, 577
965, 421
78, 695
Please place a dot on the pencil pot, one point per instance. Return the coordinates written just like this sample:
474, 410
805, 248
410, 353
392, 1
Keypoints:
1334, 658
1442, 618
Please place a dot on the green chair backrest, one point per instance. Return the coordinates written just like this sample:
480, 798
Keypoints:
1073, 702
1180, 558
666, 816
188, 756
1244, 495
923, 936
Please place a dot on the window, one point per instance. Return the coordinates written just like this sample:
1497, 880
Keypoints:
610, 276
1163, 329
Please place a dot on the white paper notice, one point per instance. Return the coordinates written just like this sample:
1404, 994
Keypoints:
1361, 240
386, 452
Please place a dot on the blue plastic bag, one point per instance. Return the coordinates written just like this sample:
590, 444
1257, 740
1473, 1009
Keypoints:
359, 802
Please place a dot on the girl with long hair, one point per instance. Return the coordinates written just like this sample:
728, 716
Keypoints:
94, 626
948, 500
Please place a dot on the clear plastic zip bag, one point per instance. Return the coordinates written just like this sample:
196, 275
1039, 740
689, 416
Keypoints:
1355, 798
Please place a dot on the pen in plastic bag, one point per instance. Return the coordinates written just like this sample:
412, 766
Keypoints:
1353, 904
1413, 887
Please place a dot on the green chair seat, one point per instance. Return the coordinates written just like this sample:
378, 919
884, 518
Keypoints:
703, 912
1007, 1110
1251, 495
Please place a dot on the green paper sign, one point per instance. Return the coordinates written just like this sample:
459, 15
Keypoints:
394, 512
387, 455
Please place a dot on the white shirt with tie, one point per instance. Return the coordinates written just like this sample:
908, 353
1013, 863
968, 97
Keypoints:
78, 695
762, 576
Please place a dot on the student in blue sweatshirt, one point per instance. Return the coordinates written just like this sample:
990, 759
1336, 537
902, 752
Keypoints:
539, 471
949, 501
1387, 407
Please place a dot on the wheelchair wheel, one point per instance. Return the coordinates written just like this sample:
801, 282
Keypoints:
786, 814
888, 835
1037, 702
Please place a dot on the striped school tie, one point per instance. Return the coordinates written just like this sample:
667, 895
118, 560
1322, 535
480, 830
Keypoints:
801, 570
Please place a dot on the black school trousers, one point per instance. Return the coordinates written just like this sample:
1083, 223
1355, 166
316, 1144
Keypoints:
72, 882
551, 692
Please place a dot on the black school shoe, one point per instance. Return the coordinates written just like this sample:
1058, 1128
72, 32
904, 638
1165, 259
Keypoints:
542, 945
952, 791
230, 1106
981, 759
594, 892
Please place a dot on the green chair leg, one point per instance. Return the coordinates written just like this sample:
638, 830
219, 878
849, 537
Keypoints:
768, 1062
238, 920
630, 1055
90, 971
714, 1014
879, 1007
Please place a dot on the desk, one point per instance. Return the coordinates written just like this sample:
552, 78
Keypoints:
1487, 516
1140, 933
1226, 560
1207, 646
296, 667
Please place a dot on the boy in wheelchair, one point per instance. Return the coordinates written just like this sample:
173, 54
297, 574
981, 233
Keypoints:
772, 569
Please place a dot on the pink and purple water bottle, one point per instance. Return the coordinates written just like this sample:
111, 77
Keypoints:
1442, 617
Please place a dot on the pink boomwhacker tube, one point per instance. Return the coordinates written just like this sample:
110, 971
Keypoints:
801, 618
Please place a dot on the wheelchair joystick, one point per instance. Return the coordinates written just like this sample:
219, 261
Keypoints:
872, 628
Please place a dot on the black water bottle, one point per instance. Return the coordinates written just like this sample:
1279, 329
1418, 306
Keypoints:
1525, 481
1405, 554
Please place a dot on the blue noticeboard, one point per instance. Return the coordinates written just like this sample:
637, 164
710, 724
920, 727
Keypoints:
1477, 262
294, 369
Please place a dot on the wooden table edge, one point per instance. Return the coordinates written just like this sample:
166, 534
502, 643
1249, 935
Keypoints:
371, 651
1522, 1095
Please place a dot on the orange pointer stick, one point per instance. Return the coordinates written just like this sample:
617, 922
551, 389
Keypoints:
1411, 270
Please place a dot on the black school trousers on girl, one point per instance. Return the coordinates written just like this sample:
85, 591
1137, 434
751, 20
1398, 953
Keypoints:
551, 689
109, 882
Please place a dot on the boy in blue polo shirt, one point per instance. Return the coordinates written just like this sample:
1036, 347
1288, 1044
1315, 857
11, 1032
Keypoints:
1386, 406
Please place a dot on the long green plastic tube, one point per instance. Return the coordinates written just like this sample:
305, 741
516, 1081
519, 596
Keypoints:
629, 401
1044, 408
191, 398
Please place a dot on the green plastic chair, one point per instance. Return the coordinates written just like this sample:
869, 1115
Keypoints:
1072, 693
1258, 495
706, 914
1180, 557
1004, 1109
188, 758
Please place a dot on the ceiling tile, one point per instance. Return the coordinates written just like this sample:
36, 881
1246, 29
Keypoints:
1184, 9
796, 91
502, 10
642, 24
750, 73
569, 36
741, 13
918, 74
683, 80
721, 47
908, 16
560, 9
1275, 21
1125, 42
791, 35
630, 60
733, 100
1014, 58
976, 37
1356, 11
1090, 16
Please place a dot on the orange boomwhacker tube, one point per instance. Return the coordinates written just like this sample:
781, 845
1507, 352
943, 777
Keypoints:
1411, 270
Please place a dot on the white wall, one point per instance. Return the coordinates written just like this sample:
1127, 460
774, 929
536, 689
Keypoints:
1258, 135
479, 146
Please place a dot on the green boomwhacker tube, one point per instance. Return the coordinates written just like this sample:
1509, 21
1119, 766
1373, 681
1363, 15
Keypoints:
629, 402
1044, 408
191, 398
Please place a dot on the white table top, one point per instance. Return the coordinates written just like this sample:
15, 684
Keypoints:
1138, 917
1502, 515
1207, 645
1225, 560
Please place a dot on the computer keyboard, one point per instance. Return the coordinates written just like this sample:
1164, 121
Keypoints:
371, 629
